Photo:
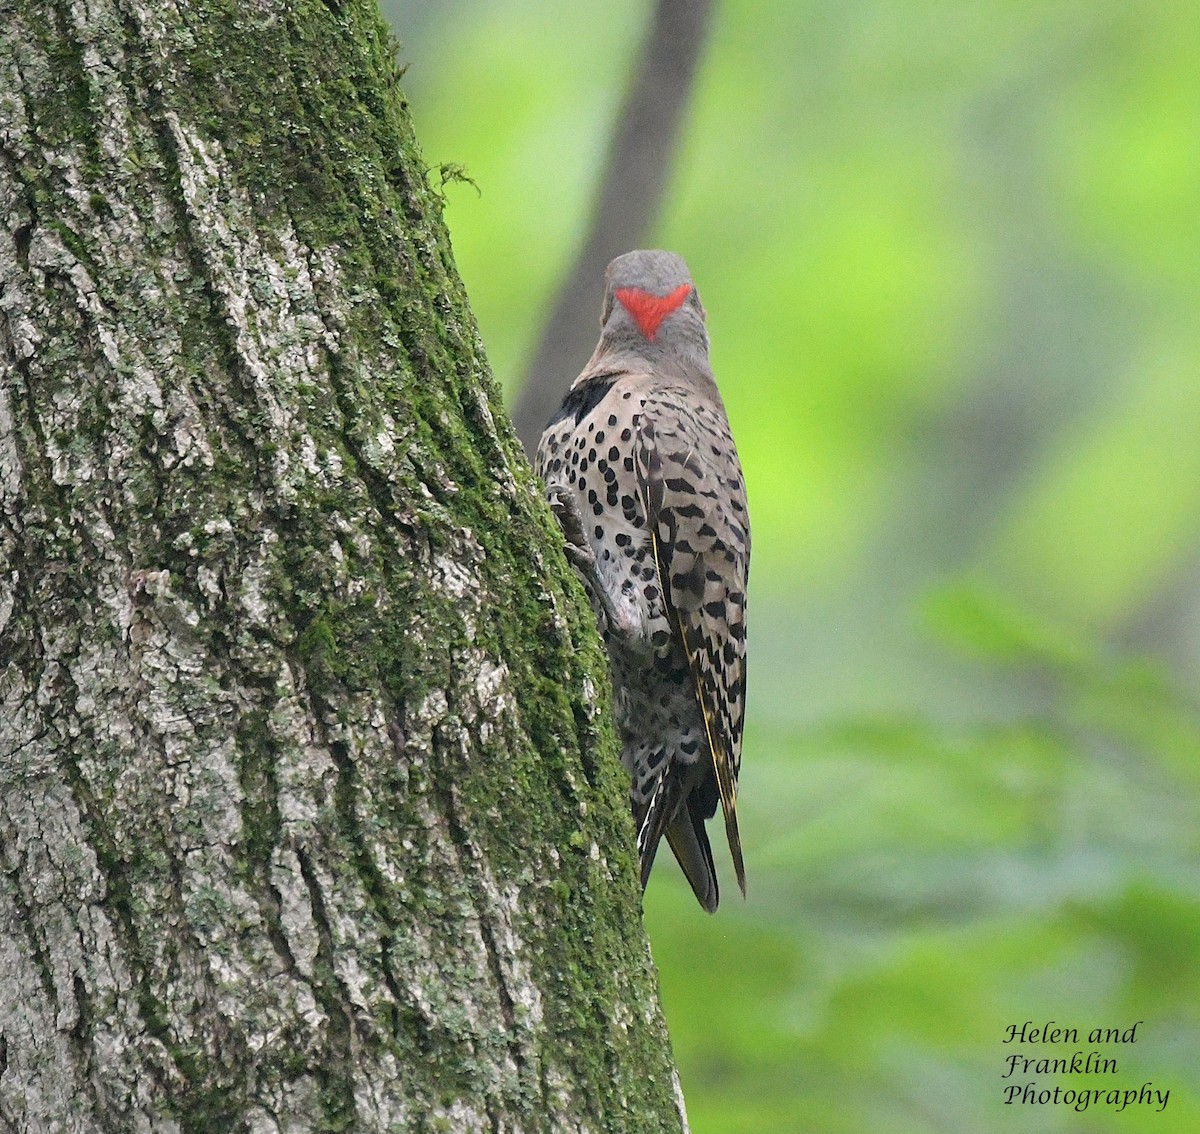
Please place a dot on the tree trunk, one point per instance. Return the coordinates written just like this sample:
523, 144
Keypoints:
311, 813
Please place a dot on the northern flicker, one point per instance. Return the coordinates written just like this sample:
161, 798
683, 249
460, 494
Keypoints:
642, 473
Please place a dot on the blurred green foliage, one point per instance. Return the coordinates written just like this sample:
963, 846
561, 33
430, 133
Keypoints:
951, 258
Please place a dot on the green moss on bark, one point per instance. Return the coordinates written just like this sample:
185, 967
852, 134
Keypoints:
363, 741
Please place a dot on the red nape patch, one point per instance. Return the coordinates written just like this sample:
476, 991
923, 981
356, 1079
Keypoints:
648, 310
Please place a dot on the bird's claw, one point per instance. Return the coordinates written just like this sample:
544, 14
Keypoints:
580, 555
566, 512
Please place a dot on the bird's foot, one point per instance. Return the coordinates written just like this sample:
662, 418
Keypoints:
576, 547
580, 555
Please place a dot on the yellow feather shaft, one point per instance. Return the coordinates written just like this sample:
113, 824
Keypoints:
720, 757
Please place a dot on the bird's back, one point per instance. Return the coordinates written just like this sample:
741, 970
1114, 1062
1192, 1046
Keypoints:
656, 479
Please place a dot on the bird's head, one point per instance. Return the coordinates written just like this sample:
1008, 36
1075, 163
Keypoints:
651, 306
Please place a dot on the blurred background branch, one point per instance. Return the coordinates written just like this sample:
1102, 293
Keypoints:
636, 175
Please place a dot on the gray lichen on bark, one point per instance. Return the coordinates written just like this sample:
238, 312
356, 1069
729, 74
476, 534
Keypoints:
310, 813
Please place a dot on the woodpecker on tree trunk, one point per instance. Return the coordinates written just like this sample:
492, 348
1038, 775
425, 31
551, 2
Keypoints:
642, 473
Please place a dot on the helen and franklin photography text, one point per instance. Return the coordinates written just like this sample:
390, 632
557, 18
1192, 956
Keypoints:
1020, 1067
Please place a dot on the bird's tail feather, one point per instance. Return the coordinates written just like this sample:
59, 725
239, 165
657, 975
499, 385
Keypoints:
689, 843
684, 829
653, 823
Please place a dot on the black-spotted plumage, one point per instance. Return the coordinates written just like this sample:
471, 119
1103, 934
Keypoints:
642, 471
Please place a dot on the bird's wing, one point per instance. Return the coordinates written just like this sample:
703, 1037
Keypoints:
695, 502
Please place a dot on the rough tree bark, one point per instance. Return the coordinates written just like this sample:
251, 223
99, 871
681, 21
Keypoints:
310, 815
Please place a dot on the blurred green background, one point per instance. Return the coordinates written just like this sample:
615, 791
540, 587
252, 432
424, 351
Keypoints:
951, 258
